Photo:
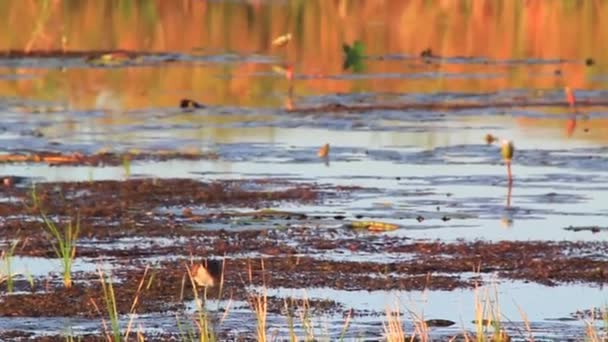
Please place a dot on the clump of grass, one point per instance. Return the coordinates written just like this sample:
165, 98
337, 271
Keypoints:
64, 240
110, 301
69, 336
591, 331
126, 165
346, 325
393, 327
421, 328
64, 244
113, 333
306, 318
288, 304
259, 304
488, 317
7, 259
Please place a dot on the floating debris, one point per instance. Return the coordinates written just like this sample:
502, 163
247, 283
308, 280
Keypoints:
373, 226
593, 229
46, 158
323, 151
427, 53
190, 104
111, 59
490, 139
439, 323
100, 158
283, 40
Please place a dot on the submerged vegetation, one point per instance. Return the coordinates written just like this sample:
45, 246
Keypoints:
63, 240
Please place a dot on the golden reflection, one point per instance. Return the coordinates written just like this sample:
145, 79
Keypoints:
507, 219
484, 28
311, 35
571, 125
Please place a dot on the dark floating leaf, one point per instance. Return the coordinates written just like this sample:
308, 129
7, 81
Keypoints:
593, 229
190, 104
439, 322
427, 53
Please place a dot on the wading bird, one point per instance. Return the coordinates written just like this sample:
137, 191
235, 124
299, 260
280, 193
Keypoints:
507, 150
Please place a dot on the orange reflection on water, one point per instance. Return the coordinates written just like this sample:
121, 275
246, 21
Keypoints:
483, 28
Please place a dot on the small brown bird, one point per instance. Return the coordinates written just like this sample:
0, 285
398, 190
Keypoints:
507, 150
201, 276
323, 151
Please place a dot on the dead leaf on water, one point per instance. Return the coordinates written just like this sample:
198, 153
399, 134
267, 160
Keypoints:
373, 226
281, 41
112, 59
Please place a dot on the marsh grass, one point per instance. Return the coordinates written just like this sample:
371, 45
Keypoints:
306, 319
393, 326
259, 303
488, 323
69, 336
288, 306
64, 244
126, 165
421, 328
6, 275
64, 240
113, 332
203, 320
346, 325
593, 334
111, 309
